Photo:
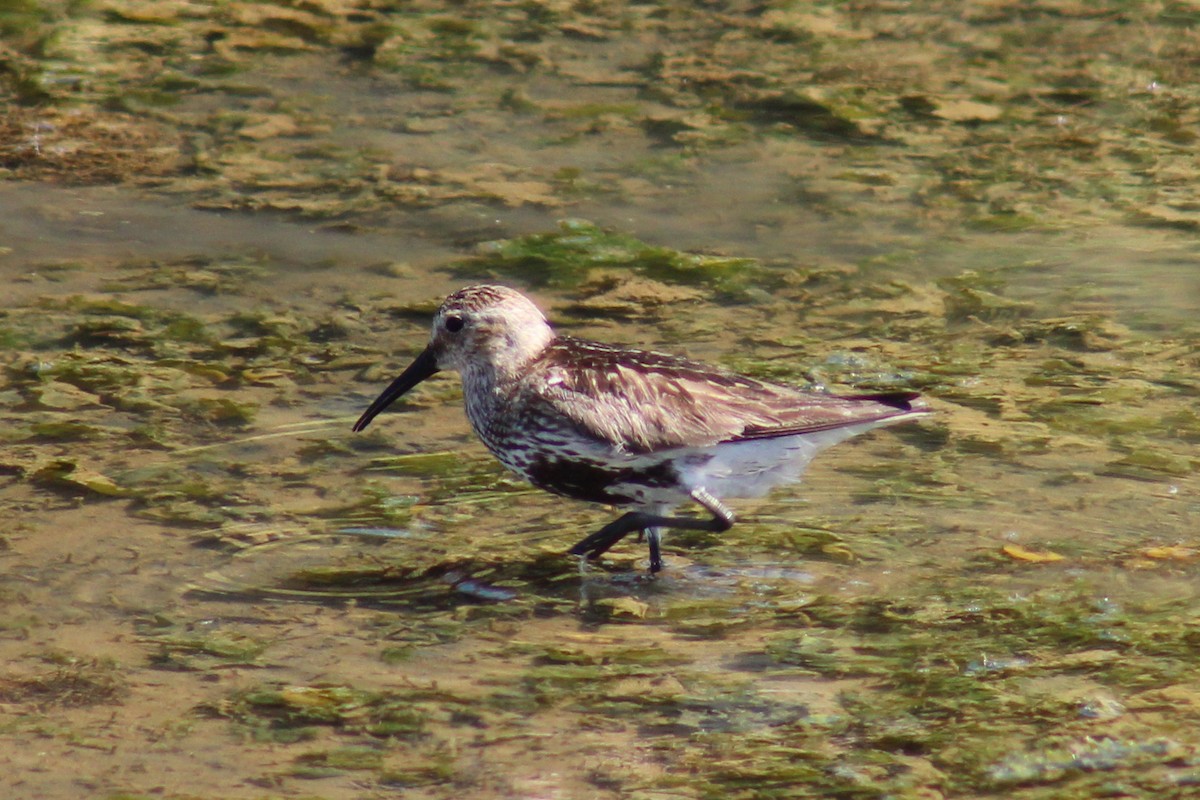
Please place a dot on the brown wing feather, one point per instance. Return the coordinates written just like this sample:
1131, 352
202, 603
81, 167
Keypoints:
642, 401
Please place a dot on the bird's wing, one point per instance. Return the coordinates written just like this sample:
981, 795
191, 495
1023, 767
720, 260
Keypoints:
640, 401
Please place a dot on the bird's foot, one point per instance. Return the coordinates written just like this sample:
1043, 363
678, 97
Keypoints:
603, 540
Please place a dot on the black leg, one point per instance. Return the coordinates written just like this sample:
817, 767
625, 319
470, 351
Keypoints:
654, 538
602, 540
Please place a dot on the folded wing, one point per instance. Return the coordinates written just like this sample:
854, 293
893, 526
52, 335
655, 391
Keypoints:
642, 402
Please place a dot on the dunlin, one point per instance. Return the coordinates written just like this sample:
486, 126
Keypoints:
628, 427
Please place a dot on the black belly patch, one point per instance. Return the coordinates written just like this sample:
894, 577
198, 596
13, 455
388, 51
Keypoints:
583, 480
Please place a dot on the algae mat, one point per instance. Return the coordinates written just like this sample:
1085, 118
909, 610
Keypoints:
226, 225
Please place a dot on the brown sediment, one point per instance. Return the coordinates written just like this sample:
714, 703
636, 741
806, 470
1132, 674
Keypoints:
211, 589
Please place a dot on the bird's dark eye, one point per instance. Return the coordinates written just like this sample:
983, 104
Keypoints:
454, 324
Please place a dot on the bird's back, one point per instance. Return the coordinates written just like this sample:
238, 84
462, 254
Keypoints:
641, 402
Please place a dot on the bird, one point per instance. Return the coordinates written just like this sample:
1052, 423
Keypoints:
631, 428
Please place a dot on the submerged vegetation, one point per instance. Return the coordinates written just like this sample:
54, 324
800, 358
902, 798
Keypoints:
987, 114
1009, 666
204, 564
568, 257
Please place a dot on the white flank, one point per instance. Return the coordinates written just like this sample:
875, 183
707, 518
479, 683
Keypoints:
753, 467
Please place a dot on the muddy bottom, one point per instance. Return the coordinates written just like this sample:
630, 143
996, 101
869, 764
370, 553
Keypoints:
220, 245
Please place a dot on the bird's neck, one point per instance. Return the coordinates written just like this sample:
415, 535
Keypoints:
489, 383
508, 358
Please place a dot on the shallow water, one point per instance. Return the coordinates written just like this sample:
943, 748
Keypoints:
214, 589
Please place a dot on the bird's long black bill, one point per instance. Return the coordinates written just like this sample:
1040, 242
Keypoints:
419, 370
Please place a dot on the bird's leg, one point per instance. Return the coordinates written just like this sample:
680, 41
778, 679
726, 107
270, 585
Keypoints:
655, 540
652, 536
602, 540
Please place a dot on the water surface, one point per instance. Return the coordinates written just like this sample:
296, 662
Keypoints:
214, 589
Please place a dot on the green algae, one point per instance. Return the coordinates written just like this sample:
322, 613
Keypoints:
69, 431
967, 298
568, 258
964, 116
959, 707
1069, 760
211, 276
418, 775
64, 680
1152, 464
183, 650
950, 676
382, 714
326, 762
631, 656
